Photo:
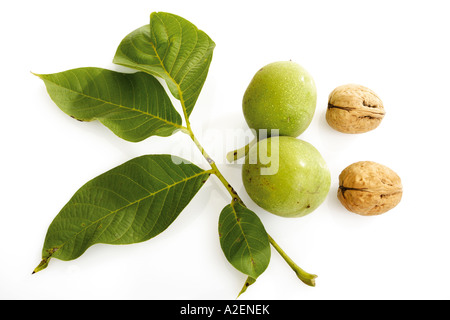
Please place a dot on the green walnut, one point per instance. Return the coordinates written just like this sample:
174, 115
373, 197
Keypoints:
286, 176
281, 96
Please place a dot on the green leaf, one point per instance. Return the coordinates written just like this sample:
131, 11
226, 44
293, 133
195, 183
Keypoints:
134, 106
128, 204
244, 240
171, 48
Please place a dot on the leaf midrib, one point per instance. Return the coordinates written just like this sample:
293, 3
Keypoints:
116, 105
180, 93
130, 204
253, 263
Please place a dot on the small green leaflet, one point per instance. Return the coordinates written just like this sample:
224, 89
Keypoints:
171, 48
129, 204
134, 106
244, 240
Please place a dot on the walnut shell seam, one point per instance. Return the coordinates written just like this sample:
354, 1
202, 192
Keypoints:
372, 114
368, 188
354, 109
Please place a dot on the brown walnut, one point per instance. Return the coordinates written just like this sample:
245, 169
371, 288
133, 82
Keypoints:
354, 108
369, 188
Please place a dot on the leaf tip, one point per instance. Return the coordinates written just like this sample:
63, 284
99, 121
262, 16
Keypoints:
36, 74
42, 265
247, 284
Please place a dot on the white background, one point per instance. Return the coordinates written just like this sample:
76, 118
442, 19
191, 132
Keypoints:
399, 49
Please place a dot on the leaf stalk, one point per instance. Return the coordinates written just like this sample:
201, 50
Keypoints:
304, 276
213, 165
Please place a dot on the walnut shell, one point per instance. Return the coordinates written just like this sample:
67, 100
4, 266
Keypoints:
369, 188
354, 108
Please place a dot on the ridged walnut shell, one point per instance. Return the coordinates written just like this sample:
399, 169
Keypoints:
369, 188
354, 108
